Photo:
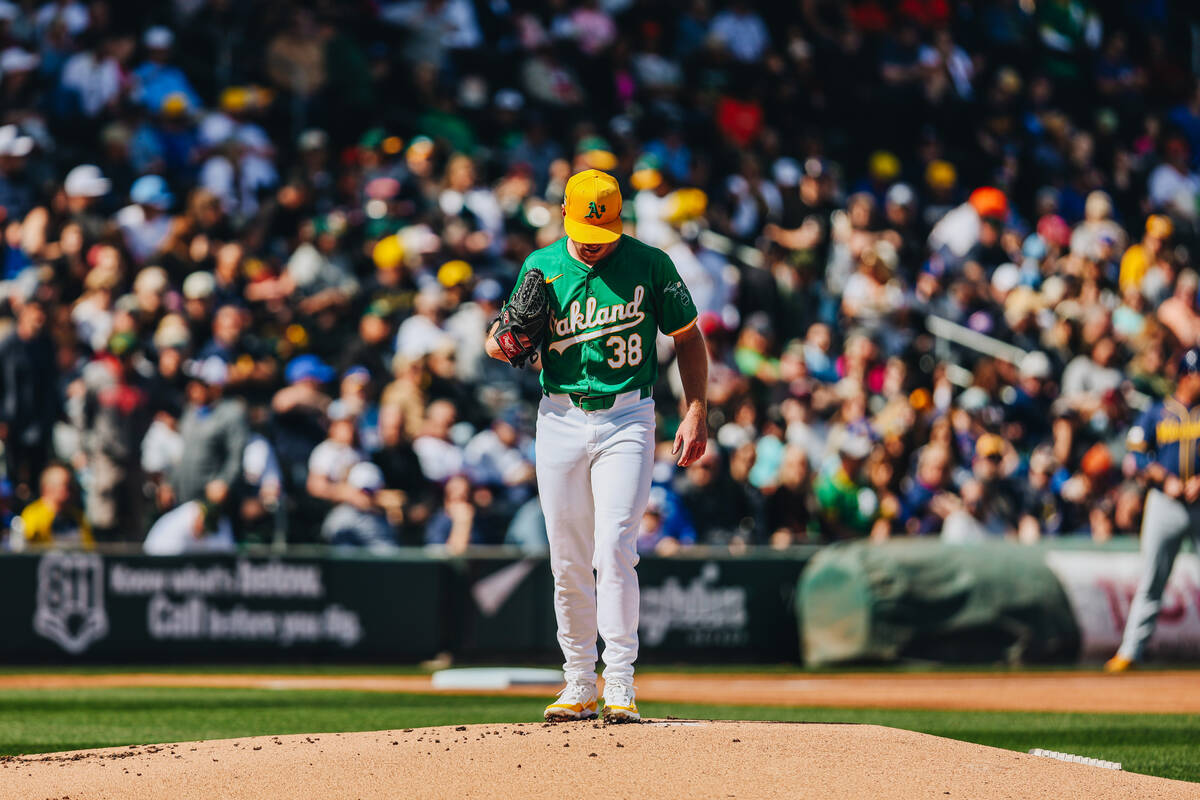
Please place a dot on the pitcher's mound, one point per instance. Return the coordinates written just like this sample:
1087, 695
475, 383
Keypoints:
661, 759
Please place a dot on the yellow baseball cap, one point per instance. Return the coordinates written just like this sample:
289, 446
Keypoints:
989, 445
388, 253
1159, 226
235, 98
593, 203
941, 174
174, 104
453, 273
884, 166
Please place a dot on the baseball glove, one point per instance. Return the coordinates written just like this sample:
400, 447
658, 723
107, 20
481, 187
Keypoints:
526, 314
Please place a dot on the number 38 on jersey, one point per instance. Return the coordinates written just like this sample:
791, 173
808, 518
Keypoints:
625, 351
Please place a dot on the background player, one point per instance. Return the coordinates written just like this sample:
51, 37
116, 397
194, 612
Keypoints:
609, 296
1165, 442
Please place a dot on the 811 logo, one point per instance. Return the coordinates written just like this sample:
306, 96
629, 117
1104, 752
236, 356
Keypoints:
70, 600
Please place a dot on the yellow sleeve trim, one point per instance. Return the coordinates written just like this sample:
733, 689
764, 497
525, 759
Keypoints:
684, 328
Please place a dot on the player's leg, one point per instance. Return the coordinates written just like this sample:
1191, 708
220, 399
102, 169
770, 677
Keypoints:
1164, 524
564, 490
621, 475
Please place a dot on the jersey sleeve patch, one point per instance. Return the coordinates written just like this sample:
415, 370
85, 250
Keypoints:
676, 307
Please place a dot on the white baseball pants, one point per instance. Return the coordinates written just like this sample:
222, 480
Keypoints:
593, 471
1165, 523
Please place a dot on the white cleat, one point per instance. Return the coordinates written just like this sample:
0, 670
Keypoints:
619, 703
577, 701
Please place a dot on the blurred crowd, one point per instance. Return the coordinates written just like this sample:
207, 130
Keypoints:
943, 252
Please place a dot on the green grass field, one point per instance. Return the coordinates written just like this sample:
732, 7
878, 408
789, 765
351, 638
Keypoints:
51, 720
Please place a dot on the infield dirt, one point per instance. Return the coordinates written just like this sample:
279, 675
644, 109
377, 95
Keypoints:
671, 759
1162, 692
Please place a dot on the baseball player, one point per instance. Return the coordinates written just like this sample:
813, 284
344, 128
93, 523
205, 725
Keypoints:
1166, 443
608, 297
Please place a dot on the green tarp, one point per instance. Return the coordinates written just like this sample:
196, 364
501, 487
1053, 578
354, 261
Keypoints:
863, 602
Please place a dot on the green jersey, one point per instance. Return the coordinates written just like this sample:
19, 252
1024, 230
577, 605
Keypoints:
604, 321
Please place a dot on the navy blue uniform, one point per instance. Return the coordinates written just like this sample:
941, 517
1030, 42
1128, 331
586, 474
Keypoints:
1168, 433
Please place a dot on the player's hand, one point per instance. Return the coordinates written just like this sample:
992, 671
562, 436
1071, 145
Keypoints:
493, 349
1173, 487
1156, 473
1191, 489
691, 440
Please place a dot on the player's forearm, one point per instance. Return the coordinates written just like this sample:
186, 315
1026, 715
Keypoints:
693, 369
491, 347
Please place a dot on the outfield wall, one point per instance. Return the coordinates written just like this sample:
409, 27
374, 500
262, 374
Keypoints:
68, 607
856, 603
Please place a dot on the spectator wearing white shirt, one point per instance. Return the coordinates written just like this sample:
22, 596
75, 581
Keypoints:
741, 31
146, 224
1173, 186
463, 196
437, 25
424, 331
242, 160
805, 428
440, 457
650, 204
95, 76
658, 211
873, 292
85, 186
261, 488
352, 525
74, 16
468, 326
946, 64
1087, 377
1097, 226
500, 456
654, 70
330, 463
93, 313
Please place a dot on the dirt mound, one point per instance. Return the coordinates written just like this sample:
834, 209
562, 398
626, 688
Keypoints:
671, 759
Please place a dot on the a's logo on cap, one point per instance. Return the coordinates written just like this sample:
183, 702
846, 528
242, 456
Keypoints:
587, 199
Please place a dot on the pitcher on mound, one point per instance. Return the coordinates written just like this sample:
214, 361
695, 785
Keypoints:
607, 296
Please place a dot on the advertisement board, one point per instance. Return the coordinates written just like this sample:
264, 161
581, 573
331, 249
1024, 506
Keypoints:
1100, 587
84, 606
66, 607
